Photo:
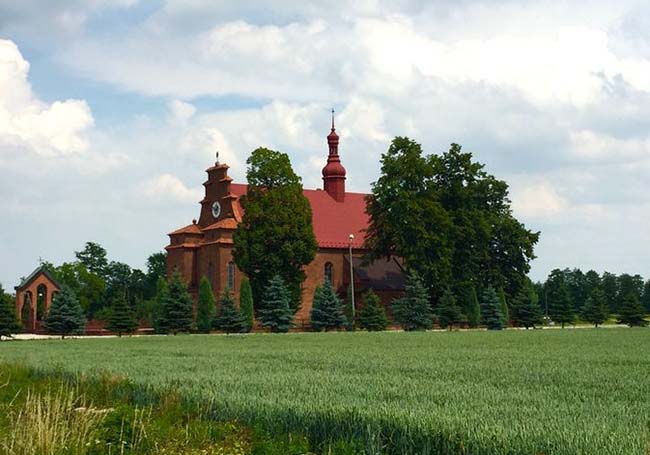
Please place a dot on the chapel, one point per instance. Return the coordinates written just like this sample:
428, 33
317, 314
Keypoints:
204, 247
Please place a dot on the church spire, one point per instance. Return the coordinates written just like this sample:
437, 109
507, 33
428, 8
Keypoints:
334, 172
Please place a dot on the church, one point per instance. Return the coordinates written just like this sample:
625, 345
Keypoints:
339, 219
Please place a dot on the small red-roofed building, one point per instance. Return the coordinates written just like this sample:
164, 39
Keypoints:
204, 248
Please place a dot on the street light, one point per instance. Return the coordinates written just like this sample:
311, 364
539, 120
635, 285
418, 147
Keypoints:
351, 238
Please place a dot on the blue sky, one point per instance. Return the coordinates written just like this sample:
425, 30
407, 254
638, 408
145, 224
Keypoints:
111, 110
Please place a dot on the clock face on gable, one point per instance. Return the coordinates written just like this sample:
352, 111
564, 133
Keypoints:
216, 209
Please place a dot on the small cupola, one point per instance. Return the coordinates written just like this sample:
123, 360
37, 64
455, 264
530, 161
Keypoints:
334, 172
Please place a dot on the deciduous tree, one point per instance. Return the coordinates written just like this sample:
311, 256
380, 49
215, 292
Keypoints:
276, 234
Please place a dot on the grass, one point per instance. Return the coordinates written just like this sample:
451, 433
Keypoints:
552, 391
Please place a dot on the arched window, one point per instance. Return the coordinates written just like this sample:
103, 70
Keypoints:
328, 272
231, 275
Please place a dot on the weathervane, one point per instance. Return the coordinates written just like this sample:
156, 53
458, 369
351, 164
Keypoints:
217, 154
332, 119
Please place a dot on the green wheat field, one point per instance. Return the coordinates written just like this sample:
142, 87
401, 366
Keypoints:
572, 391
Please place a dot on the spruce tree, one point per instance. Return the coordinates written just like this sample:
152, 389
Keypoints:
631, 312
229, 319
413, 311
176, 311
66, 317
560, 306
470, 305
595, 309
122, 318
276, 312
525, 307
372, 316
205, 310
505, 311
158, 319
491, 310
246, 304
8, 320
449, 313
327, 309
347, 310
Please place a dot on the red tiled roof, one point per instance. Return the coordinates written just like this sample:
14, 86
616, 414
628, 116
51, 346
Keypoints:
333, 221
227, 223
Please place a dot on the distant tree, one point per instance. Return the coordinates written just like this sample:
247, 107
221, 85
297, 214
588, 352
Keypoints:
93, 257
609, 283
246, 304
596, 310
122, 319
205, 308
646, 296
526, 311
491, 309
591, 282
229, 319
629, 284
505, 311
177, 307
276, 235
327, 309
276, 312
470, 305
372, 316
65, 316
631, 312
560, 306
156, 268
413, 311
8, 320
576, 283
89, 287
448, 311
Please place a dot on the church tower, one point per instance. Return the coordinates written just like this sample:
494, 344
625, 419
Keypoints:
334, 172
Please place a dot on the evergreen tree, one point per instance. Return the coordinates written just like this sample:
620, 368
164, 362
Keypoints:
327, 309
158, 320
177, 307
347, 310
229, 319
525, 307
413, 311
372, 316
449, 313
504, 307
205, 310
560, 306
66, 317
631, 312
122, 318
470, 305
8, 320
491, 310
276, 312
645, 299
595, 309
609, 283
246, 304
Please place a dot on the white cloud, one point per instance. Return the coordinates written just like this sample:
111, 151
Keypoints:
167, 187
593, 145
539, 200
26, 122
181, 111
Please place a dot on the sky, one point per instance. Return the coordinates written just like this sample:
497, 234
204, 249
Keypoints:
110, 112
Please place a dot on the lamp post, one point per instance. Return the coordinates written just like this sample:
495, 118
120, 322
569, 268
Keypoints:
351, 238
